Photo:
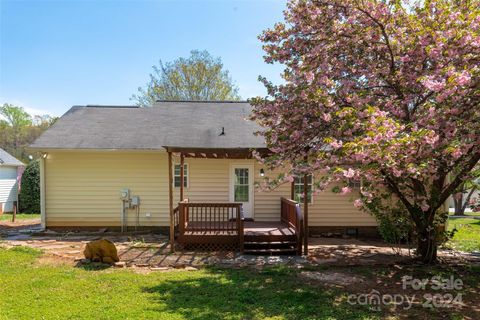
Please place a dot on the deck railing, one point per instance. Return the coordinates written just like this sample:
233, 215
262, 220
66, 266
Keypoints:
291, 214
213, 219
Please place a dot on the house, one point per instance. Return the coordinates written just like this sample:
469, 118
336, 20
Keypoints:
120, 167
10, 171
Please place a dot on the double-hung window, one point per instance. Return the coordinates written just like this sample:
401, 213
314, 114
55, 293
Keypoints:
299, 187
177, 176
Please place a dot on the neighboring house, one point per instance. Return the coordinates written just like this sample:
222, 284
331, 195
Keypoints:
10, 173
93, 152
475, 196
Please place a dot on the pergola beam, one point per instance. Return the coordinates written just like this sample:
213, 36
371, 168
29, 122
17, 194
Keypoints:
215, 153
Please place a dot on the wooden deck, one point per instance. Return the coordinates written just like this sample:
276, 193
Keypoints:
223, 224
250, 228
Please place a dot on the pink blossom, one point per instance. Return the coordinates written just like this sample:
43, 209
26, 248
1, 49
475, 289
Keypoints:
464, 78
431, 140
327, 117
309, 76
358, 203
336, 144
397, 173
346, 190
296, 135
434, 85
457, 153
424, 206
350, 173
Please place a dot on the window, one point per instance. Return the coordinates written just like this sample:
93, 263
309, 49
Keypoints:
298, 188
241, 185
355, 183
177, 177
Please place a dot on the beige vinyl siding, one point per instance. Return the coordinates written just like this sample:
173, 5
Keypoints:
267, 203
209, 179
327, 208
82, 188
334, 209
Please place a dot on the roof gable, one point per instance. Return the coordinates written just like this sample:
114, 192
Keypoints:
7, 159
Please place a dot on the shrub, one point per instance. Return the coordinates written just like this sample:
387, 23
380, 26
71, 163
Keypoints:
29, 197
394, 225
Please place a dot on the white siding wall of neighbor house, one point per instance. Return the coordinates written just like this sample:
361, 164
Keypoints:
8, 187
82, 189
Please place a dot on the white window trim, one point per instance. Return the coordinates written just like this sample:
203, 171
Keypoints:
251, 167
188, 175
359, 186
301, 184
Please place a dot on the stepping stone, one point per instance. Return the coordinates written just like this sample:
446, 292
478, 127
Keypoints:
19, 237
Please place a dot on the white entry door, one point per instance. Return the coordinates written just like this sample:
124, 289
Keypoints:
241, 187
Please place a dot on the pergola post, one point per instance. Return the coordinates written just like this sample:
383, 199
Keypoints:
305, 214
292, 190
170, 202
182, 168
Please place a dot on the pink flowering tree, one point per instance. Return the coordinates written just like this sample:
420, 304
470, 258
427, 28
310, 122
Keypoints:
382, 91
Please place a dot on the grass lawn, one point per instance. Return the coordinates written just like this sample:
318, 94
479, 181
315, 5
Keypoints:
32, 290
467, 213
32, 287
20, 216
467, 237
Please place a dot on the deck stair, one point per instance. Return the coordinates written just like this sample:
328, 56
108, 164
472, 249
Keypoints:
269, 238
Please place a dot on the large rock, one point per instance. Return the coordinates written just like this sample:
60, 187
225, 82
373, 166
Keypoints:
101, 251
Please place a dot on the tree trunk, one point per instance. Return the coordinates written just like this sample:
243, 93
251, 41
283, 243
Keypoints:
458, 203
427, 246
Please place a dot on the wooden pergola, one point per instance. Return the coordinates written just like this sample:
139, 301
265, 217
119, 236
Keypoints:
221, 153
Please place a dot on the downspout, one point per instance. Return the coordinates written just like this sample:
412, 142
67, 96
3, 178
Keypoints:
43, 212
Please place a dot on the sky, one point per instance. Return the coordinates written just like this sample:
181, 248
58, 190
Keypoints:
56, 54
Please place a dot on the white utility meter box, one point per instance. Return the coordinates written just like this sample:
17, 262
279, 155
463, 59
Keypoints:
124, 194
135, 201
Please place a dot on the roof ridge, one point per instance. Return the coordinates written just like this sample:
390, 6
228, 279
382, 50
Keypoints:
205, 101
109, 106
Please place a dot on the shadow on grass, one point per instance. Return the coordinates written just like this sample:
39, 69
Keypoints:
93, 266
249, 294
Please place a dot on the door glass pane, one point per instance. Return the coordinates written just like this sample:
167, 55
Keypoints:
241, 185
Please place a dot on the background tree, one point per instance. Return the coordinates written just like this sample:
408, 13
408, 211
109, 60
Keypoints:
383, 91
18, 129
198, 77
17, 119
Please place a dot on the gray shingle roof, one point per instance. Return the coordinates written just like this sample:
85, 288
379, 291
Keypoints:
7, 159
179, 124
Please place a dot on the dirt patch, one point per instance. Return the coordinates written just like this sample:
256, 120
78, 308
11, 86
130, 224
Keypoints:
8, 226
332, 278
153, 251
356, 252
54, 260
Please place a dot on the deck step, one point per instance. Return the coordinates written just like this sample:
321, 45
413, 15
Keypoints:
266, 252
269, 238
270, 245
